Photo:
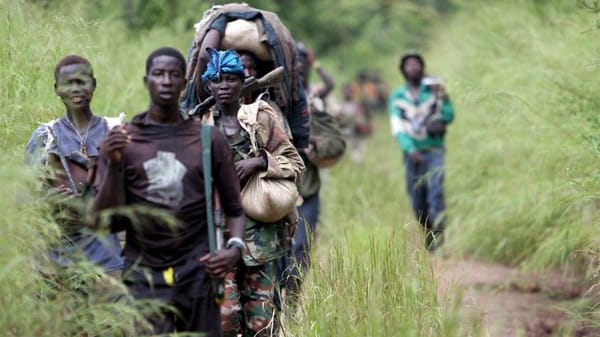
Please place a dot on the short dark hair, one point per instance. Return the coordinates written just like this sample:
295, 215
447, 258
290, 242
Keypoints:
70, 60
303, 53
415, 56
168, 51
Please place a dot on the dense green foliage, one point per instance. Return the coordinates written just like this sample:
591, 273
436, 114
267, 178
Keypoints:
522, 182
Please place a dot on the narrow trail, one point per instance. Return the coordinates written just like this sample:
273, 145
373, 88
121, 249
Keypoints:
509, 303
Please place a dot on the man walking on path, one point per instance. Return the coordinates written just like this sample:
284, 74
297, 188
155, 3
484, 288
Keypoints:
154, 165
420, 111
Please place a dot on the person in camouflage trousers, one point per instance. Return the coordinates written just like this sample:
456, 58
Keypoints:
249, 292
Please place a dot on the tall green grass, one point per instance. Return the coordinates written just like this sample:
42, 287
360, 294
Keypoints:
34, 40
37, 300
522, 180
372, 276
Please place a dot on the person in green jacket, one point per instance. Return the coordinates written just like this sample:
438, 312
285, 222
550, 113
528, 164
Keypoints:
420, 111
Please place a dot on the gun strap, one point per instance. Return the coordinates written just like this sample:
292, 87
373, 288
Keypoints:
63, 161
206, 168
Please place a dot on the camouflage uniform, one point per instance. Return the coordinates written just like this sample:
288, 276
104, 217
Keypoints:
249, 308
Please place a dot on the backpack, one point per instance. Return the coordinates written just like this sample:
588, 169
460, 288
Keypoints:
329, 141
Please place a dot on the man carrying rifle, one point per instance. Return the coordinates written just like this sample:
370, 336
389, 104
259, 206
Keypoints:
260, 149
420, 111
154, 165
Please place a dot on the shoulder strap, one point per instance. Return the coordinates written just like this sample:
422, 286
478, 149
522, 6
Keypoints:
248, 115
63, 159
206, 167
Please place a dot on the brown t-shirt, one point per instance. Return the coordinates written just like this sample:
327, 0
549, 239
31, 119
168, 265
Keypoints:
163, 171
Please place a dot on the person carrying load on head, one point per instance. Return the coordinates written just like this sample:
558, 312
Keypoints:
261, 35
261, 152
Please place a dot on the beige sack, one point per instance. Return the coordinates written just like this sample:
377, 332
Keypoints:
243, 35
268, 200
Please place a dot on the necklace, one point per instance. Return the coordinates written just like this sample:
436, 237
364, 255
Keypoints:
82, 138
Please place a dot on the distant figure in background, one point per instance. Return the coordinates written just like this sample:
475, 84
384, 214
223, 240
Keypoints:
68, 146
420, 111
382, 92
351, 117
326, 147
371, 91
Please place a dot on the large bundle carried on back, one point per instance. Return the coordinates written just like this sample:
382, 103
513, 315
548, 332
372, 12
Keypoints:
243, 28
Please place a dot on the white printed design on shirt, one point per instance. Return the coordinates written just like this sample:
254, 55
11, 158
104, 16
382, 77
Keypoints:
165, 174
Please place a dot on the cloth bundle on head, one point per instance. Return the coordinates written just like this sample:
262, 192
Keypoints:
222, 62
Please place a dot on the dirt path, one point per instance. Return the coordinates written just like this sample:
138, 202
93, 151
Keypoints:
508, 303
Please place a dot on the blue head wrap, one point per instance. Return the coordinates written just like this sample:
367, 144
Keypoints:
222, 62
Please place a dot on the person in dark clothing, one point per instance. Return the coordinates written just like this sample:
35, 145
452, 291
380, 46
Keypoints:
154, 163
326, 147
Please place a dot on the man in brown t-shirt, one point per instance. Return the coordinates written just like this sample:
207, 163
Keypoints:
154, 164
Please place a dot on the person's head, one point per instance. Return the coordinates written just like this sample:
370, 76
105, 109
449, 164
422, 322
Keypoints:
165, 76
250, 63
304, 59
224, 76
363, 75
74, 82
412, 67
347, 92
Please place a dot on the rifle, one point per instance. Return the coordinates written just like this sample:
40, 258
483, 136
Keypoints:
216, 225
213, 236
251, 84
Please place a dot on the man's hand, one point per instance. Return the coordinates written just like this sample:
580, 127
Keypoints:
436, 128
439, 91
310, 152
317, 65
416, 158
247, 167
222, 263
114, 143
60, 194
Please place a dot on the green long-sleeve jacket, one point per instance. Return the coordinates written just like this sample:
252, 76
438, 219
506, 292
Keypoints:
409, 115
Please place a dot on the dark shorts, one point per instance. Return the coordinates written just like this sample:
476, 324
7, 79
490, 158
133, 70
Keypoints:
186, 288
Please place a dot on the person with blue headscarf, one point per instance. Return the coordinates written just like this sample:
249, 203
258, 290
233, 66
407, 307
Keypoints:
222, 62
249, 295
